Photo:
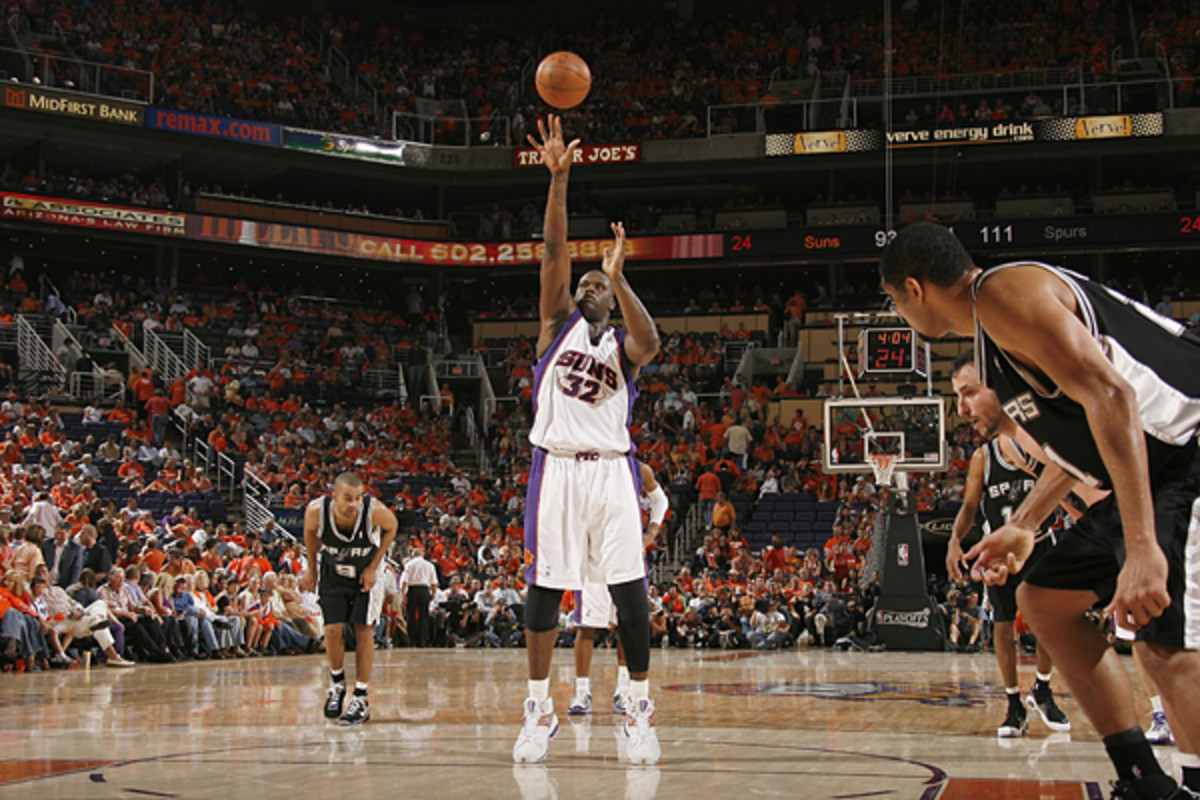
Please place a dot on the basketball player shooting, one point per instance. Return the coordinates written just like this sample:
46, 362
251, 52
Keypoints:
582, 517
1111, 392
352, 532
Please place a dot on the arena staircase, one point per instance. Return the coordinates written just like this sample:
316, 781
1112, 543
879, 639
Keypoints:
467, 376
164, 353
94, 385
38, 370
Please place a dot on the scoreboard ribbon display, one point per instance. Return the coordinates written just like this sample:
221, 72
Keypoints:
1033, 236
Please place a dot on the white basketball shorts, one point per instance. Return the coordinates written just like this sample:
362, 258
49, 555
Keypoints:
583, 521
594, 606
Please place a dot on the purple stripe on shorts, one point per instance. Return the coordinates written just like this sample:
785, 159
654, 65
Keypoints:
543, 363
638, 487
533, 496
577, 614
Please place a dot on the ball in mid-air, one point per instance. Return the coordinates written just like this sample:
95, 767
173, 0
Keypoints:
563, 79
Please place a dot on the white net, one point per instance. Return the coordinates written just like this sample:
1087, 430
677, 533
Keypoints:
883, 465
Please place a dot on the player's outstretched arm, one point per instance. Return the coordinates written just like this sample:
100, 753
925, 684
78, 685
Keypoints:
965, 519
641, 339
1032, 315
555, 302
312, 546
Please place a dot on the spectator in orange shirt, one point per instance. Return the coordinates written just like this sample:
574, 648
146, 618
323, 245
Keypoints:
178, 564
152, 556
723, 513
141, 387
121, 414
131, 470
794, 311
158, 407
294, 498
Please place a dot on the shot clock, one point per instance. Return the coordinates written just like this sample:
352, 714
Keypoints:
890, 351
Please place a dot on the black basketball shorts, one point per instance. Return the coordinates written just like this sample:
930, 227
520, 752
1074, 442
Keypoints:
1089, 556
343, 600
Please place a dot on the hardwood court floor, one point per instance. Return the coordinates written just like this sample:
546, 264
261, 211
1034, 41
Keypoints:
801, 724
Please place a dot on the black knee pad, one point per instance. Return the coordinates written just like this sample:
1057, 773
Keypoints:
633, 622
541, 609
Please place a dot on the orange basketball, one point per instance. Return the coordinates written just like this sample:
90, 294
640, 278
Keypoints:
563, 79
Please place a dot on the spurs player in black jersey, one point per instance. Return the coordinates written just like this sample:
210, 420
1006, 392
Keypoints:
352, 533
1001, 473
1111, 392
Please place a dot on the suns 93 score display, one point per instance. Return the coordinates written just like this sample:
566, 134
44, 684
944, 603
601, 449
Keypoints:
890, 351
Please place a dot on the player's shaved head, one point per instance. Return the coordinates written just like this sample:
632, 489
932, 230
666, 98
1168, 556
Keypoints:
350, 480
347, 495
594, 296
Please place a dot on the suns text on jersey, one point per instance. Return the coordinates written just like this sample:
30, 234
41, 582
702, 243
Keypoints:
585, 376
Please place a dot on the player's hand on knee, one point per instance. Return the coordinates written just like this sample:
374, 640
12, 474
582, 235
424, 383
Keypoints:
1141, 593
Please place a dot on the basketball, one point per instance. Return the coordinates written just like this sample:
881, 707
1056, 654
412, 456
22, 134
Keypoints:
563, 79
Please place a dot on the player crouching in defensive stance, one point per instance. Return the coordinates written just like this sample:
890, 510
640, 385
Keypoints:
1002, 471
352, 533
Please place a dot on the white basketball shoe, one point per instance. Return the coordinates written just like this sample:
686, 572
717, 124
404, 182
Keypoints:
538, 727
643, 739
581, 703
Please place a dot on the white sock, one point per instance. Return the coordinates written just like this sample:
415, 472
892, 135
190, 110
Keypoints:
639, 690
1156, 704
360, 686
539, 690
1045, 678
1012, 689
583, 685
622, 677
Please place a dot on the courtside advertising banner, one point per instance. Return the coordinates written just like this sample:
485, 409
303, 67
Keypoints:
342, 244
87, 214
227, 128
1057, 129
27, 97
356, 147
345, 244
627, 153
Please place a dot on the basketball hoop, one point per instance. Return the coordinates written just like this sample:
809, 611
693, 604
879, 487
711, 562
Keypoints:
883, 464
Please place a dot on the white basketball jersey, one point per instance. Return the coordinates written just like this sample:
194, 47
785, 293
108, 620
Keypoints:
583, 392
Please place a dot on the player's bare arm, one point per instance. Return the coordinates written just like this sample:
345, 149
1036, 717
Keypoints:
650, 485
641, 340
555, 303
1079, 497
1033, 316
383, 518
312, 546
965, 519
1004, 552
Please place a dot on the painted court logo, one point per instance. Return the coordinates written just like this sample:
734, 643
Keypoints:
956, 695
